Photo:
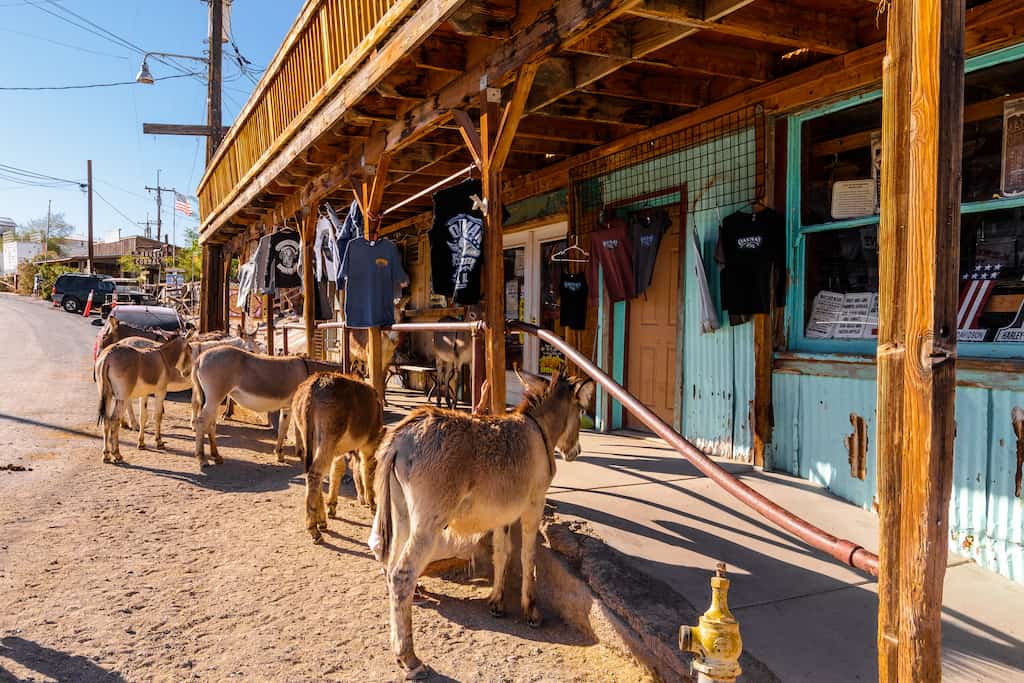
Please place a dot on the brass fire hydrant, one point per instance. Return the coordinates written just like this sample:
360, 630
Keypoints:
716, 639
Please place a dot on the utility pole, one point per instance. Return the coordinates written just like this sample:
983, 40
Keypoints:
159, 191
213, 96
88, 169
46, 239
148, 225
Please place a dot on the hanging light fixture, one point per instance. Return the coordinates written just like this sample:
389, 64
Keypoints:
144, 76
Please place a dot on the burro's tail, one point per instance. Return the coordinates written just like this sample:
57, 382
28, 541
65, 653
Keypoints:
103, 386
386, 455
197, 392
307, 416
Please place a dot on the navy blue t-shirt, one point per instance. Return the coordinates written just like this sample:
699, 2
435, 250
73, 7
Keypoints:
373, 277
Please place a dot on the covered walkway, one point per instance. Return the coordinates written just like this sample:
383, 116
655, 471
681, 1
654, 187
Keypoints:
806, 617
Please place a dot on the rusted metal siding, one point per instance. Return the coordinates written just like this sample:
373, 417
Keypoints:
812, 419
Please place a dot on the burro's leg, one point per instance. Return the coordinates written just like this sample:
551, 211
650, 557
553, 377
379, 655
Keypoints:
401, 585
367, 469
337, 472
115, 432
143, 419
530, 524
316, 517
282, 430
502, 547
159, 398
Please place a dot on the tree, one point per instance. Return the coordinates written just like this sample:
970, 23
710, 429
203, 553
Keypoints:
35, 229
189, 259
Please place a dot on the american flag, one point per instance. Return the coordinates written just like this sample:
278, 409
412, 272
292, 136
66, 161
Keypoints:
977, 287
181, 204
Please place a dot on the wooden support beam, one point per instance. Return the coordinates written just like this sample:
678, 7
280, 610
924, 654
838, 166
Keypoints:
762, 413
470, 134
494, 258
268, 317
919, 238
770, 21
309, 278
512, 115
375, 360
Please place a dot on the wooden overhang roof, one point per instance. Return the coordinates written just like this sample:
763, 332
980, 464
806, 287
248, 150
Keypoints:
610, 73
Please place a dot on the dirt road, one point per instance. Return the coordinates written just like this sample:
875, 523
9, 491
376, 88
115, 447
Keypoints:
154, 571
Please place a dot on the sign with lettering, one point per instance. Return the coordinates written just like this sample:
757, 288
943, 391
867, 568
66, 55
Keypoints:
1012, 181
1014, 332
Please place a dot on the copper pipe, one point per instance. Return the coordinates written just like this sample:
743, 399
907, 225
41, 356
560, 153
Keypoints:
843, 550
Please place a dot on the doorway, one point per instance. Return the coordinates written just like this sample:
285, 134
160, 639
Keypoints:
652, 330
532, 295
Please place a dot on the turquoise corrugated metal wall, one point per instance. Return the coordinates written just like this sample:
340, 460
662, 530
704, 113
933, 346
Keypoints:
718, 368
986, 520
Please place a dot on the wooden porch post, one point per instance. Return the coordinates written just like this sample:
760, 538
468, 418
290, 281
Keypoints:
309, 279
490, 147
919, 237
370, 194
268, 314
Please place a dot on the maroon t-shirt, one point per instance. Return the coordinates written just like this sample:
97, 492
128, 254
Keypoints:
610, 248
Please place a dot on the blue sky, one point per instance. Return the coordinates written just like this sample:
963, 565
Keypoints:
55, 132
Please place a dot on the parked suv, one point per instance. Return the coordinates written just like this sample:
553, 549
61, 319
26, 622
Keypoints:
71, 290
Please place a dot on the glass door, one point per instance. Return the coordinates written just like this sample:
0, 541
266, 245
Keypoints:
532, 294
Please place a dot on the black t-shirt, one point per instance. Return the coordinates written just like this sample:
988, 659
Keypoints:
456, 243
285, 260
646, 229
752, 249
573, 301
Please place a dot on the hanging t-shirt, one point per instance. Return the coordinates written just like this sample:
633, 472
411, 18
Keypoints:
646, 229
752, 250
610, 249
261, 280
285, 261
456, 243
246, 272
325, 251
373, 277
573, 301
345, 231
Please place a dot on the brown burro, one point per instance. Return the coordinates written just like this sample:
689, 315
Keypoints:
332, 415
262, 384
444, 476
124, 373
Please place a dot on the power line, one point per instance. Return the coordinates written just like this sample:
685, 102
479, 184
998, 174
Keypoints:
130, 221
126, 191
27, 177
57, 42
93, 85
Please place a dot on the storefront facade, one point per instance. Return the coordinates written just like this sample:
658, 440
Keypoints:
824, 378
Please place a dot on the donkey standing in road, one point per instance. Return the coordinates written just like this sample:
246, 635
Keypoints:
263, 384
331, 416
124, 373
445, 475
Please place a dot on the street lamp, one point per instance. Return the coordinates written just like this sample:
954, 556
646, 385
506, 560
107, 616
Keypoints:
146, 78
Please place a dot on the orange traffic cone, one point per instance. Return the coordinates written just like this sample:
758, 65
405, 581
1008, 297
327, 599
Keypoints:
88, 306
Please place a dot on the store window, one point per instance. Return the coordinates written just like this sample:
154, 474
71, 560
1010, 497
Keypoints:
833, 192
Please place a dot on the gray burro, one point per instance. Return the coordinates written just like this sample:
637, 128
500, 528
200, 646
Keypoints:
260, 383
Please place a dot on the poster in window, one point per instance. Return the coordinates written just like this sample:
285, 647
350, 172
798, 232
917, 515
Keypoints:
853, 316
876, 165
853, 198
1012, 182
825, 312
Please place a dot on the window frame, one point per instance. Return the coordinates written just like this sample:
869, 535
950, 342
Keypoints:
796, 232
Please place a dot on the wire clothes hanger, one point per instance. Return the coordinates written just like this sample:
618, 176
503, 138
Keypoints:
571, 254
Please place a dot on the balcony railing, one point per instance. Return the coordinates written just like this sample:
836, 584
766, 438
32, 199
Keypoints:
328, 41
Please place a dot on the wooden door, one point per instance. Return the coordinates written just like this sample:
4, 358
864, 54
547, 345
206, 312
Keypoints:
651, 333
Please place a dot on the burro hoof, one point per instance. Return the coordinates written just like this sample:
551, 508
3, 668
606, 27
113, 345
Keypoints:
117, 459
280, 457
535, 620
141, 445
415, 670
332, 511
497, 611
161, 445
318, 538
217, 460
204, 463
107, 458
321, 526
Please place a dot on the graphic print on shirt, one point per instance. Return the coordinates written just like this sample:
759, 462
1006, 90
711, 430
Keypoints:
465, 241
287, 252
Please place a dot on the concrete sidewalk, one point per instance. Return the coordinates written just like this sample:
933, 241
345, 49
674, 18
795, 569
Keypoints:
808, 618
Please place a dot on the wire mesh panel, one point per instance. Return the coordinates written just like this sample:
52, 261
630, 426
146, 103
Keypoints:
722, 162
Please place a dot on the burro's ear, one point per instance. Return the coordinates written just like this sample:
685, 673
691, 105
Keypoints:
532, 383
584, 391
112, 321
